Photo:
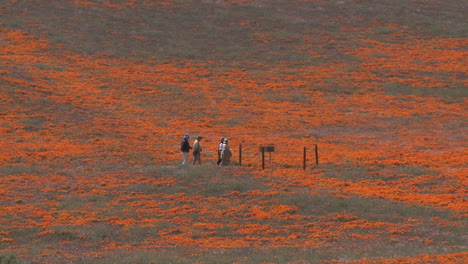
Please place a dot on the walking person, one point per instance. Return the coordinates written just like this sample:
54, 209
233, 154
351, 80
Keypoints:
197, 149
185, 149
226, 153
220, 149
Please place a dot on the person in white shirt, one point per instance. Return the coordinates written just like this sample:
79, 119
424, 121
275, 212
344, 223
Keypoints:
220, 149
226, 153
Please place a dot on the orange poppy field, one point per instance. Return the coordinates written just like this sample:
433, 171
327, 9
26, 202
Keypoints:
364, 102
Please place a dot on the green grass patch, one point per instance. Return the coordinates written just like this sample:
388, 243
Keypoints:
10, 258
372, 209
208, 181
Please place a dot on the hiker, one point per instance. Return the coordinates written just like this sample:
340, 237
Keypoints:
220, 146
185, 149
197, 149
226, 153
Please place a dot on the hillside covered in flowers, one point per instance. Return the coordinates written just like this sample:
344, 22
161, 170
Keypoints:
96, 96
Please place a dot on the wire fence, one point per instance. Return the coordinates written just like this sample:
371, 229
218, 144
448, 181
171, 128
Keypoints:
271, 156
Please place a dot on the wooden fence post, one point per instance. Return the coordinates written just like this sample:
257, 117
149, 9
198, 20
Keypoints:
316, 155
240, 154
304, 158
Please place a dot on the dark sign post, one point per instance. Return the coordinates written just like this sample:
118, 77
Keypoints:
263, 157
264, 149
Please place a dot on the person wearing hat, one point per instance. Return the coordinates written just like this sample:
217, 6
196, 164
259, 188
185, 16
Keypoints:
197, 149
226, 153
185, 149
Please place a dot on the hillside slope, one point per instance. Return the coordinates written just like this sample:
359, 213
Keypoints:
96, 95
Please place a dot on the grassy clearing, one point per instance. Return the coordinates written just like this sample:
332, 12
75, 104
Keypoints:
314, 204
10, 258
452, 92
379, 172
237, 255
209, 181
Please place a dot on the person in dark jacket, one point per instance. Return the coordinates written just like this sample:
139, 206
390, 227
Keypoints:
185, 149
